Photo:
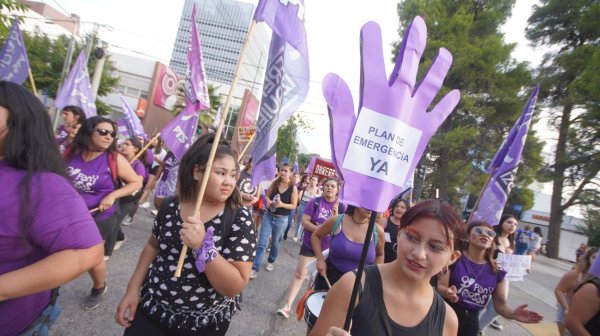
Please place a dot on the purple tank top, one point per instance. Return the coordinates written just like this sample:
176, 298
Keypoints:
93, 181
168, 162
62, 134
140, 169
474, 283
318, 214
344, 254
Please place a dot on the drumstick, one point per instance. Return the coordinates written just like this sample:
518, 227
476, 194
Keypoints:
327, 280
94, 210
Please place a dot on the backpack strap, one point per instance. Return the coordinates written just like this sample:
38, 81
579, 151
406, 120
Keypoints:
337, 224
113, 167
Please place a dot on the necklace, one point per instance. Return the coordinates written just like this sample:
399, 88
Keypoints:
470, 269
359, 223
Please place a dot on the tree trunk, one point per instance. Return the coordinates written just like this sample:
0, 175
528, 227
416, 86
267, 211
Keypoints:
556, 208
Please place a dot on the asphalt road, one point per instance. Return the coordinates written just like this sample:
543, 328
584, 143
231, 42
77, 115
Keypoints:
264, 295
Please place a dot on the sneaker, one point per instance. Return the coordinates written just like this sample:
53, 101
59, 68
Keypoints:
119, 243
127, 221
269, 267
154, 212
145, 205
95, 297
106, 258
295, 239
285, 312
496, 325
253, 274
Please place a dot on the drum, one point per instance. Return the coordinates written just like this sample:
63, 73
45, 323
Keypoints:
312, 307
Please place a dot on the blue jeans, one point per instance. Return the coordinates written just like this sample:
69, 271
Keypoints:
489, 314
41, 325
271, 226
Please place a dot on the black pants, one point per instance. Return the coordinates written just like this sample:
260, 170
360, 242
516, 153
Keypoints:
142, 325
333, 275
468, 320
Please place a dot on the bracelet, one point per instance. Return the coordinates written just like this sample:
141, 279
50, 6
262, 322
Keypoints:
207, 252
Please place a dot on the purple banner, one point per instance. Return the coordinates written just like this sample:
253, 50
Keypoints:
179, 134
77, 90
14, 64
286, 79
494, 196
218, 117
130, 120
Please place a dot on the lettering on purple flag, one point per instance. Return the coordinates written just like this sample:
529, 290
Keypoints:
133, 126
179, 133
494, 196
218, 117
196, 90
77, 90
286, 78
14, 64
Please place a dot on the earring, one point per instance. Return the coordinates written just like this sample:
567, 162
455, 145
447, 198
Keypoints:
395, 247
445, 269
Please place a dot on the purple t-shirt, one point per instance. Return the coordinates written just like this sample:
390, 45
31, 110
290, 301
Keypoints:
140, 169
60, 221
62, 134
318, 214
93, 180
474, 283
149, 157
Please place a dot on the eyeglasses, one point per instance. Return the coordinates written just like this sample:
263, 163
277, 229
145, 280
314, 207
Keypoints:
104, 132
488, 232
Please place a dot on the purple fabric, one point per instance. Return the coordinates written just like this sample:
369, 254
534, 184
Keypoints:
77, 90
179, 134
323, 211
14, 64
60, 221
218, 117
140, 169
494, 196
286, 79
474, 283
168, 163
595, 269
379, 150
149, 156
311, 164
130, 120
62, 134
344, 254
93, 180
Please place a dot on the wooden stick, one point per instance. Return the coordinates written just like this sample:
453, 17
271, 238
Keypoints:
215, 143
143, 150
32, 82
94, 210
327, 281
479, 198
247, 145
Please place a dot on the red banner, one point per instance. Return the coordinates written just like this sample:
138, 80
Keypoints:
324, 169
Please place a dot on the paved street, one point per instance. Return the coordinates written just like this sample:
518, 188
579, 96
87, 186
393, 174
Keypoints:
264, 294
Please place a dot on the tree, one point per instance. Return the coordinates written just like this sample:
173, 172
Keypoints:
6, 20
207, 116
287, 145
570, 81
592, 226
494, 88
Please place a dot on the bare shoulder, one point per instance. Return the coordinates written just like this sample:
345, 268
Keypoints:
450, 321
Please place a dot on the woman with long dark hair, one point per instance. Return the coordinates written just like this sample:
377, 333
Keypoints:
282, 197
391, 225
47, 236
474, 280
216, 270
72, 115
96, 169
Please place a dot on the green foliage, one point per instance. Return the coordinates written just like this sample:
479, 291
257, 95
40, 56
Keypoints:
6, 20
494, 89
287, 146
208, 116
571, 93
592, 227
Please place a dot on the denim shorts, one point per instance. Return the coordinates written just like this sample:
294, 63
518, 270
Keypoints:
41, 325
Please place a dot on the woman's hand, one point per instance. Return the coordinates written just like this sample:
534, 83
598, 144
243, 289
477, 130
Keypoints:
106, 203
337, 331
322, 267
192, 233
451, 294
126, 309
526, 316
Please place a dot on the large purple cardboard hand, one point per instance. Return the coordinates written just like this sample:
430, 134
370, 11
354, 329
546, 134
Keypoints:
377, 151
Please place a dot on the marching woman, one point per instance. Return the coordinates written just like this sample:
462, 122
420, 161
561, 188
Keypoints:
396, 298
316, 212
166, 186
308, 190
474, 280
72, 115
583, 319
47, 236
216, 270
347, 235
130, 148
95, 168
391, 225
282, 197
159, 154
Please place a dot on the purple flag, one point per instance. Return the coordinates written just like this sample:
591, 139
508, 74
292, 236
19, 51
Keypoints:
311, 164
595, 269
77, 90
494, 196
14, 64
179, 134
286, 79
296, 169
218, 117
133, 125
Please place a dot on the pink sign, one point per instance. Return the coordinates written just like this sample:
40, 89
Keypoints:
165, 94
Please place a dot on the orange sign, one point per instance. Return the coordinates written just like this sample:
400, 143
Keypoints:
245, 133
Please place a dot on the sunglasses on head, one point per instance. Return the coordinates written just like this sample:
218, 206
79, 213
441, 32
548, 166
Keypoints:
105, 132
488, 232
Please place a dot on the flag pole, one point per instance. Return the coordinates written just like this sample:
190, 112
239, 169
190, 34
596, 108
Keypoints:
215, 143
31, 81
247, 145
146, 146
480, 194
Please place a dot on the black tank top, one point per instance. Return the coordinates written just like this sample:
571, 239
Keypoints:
388, 249
371, 317
593, 325
286, 197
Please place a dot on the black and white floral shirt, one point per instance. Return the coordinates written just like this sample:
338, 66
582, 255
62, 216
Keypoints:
190, 302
